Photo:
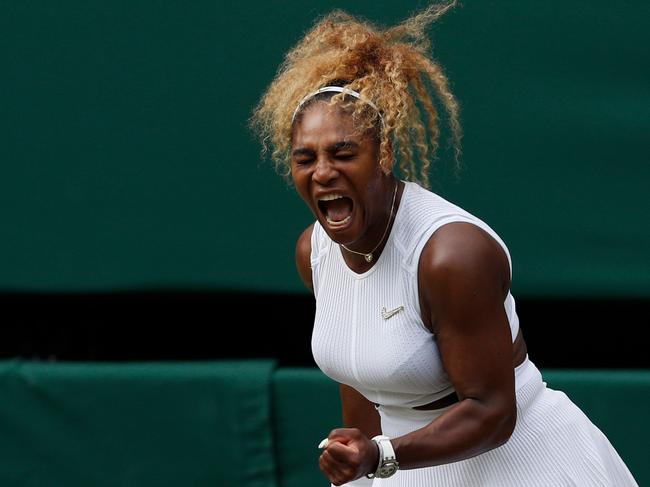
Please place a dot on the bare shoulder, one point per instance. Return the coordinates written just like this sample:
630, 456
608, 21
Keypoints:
462, 259
462, 244
303, 256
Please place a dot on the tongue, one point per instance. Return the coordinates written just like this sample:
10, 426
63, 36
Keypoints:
339, 209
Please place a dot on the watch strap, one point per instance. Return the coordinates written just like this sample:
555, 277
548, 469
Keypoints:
387, 464
385, 448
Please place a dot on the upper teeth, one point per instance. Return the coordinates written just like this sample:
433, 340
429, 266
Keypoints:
330, 197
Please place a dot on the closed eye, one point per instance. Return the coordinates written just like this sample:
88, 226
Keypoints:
302, 162
345, 157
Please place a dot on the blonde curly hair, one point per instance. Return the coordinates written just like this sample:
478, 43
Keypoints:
390, 66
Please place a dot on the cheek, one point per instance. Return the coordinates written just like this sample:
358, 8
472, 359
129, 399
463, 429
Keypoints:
375, 177
295, 177
300, 183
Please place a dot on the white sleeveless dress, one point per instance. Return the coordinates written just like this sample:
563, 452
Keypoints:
395, 363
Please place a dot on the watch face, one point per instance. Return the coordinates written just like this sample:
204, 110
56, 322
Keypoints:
387, 469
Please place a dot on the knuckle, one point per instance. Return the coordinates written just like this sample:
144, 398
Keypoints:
353, 460
356, 433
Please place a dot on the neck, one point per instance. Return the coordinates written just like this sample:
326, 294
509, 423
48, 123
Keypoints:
365, 253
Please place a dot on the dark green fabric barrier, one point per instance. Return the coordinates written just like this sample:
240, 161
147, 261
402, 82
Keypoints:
136, 425
306, 404
306, 408
230, 424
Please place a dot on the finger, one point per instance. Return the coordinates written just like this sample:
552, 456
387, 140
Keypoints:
327, 442
343, 452
331, 465
338, 472
344, 433
343, 460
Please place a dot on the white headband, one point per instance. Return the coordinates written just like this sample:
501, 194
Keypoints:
337, 89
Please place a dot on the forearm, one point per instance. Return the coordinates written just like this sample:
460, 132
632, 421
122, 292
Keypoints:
358, 412
464, 431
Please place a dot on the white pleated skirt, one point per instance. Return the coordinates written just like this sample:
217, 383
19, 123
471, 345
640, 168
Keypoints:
553, 444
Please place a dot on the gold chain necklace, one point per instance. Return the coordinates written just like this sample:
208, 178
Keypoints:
369, 255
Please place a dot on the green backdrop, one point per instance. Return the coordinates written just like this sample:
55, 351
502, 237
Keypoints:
223, 424
126, 162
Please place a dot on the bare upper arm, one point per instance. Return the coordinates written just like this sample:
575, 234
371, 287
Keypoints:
303, 257
464, 277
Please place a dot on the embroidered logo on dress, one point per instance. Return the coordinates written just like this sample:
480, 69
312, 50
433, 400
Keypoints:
390, 313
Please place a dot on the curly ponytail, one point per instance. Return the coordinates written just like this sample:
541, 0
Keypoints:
391, 67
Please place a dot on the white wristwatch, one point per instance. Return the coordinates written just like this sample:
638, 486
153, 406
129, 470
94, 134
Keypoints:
388, 464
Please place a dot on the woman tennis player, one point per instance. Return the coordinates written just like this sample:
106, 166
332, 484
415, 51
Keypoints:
414, 315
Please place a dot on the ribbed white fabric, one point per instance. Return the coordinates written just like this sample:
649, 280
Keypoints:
554, 444
395, 362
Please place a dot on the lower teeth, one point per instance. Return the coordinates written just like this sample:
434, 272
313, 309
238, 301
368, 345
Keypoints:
338, 223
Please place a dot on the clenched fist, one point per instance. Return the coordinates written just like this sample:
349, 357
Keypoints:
348, 455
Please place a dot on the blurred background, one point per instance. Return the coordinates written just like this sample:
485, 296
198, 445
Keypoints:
139, 222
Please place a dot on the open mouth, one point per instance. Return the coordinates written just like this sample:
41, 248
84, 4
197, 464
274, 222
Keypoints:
337, 209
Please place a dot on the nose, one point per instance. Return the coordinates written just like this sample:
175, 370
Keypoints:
325, 171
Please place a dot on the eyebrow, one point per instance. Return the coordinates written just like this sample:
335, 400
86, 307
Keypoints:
336, 146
